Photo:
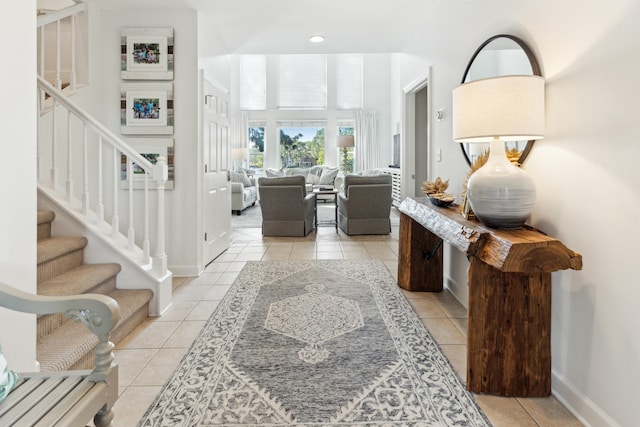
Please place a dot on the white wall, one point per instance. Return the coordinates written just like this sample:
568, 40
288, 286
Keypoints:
182, 240
18, 175
585, 170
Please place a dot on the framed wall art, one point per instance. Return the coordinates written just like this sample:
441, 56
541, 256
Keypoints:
150, 149
146, 108
146, 54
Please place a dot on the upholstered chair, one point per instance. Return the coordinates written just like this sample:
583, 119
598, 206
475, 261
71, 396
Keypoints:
365, 205
243, 192
287, 209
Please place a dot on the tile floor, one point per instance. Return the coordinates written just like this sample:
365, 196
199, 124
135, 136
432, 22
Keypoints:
149, 355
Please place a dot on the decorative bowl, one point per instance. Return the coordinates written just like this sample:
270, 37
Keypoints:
441, 199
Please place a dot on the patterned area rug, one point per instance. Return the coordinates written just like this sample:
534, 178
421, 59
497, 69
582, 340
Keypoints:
252, 216
314, 343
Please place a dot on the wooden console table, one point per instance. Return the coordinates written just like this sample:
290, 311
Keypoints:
509, 332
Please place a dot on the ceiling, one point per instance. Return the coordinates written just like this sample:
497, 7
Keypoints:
284, 26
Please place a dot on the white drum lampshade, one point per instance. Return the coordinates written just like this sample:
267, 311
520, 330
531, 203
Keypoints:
239, 153
496, 110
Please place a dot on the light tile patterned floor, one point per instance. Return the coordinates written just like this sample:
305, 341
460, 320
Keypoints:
148, 356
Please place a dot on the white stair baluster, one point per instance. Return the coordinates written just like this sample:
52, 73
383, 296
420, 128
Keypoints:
72, 75
69, 186
100, 205
131, 232
146, 257
85, 172
58, 55
115, 219
54, 140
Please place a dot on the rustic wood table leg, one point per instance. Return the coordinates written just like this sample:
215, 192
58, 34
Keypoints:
509, 332
419, 258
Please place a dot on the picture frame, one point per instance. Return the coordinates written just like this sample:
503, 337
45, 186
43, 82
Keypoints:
151, 149
146, 108
146, 54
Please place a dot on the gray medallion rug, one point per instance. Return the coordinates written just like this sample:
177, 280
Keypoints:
314, 343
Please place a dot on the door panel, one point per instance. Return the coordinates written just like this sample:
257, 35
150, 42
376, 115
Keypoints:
217, 206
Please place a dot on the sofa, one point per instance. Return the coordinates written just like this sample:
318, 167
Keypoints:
315, 177
365, 205
287, 209
243, 192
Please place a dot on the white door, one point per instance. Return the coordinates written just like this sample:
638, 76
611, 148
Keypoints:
217, 205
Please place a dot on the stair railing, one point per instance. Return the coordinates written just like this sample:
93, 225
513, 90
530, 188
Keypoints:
57, 63
97, 143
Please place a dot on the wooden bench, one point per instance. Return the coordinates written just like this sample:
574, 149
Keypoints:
69, 398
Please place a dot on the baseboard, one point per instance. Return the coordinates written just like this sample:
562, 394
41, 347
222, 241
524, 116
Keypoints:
185, 270
460, 292
583, 408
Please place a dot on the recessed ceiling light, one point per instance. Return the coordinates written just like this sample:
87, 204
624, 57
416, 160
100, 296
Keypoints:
316, 39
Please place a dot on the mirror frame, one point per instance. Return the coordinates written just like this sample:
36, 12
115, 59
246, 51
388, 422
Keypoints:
535, 68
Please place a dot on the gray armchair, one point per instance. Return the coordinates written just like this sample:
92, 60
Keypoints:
286, 208
365, 205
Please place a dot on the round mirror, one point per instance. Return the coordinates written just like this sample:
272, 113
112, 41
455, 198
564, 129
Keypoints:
501, 55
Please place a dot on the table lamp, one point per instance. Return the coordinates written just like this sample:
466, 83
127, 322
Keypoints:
344, 142
240, 154
496, 110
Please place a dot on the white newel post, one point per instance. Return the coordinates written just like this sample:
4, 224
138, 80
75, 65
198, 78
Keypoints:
159, 257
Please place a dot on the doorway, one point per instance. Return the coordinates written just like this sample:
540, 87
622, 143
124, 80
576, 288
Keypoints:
416, 141
421, 140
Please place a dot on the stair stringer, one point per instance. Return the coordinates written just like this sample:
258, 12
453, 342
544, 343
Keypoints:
102, 248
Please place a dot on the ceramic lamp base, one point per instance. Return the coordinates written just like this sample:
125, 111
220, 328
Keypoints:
501, 195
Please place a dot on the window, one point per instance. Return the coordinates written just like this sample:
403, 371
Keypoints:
256, 148
302, 82
349, 82
346, 155
301, 146
253, 82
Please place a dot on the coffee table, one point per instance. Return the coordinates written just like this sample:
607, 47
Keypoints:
330, 192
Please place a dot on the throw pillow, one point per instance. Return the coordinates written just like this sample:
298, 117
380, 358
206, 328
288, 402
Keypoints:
328, 176
314, 175
273, 173
300, 171
370, 172
8, 378
240, 177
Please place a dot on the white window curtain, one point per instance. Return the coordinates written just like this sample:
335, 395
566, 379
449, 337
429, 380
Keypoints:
366, 136
302, 82
349, 82
239, 124
253, 82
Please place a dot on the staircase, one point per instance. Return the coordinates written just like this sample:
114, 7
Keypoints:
98, 185
62, 343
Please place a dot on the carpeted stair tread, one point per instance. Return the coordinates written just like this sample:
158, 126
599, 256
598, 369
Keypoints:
93, 278
45, 216
62, 348
54, 247
79, 280
44, 224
